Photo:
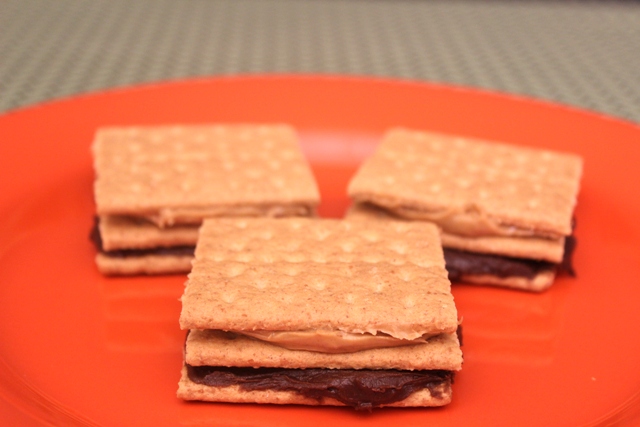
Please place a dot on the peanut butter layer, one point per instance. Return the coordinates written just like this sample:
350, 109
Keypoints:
219, 348
471, 187
182, 174
327, 341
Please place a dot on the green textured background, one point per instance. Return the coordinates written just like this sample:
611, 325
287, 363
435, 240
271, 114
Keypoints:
582, 53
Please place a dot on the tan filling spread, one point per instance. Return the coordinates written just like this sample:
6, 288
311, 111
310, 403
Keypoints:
330, 341
470, 222
169, 216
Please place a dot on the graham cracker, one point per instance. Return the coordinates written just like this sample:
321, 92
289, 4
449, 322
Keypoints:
218, 348
538, 283
551, 250
182, 174
547, 249
119, 232
188, 390
307, 274
300, 240
143, 264
490, 186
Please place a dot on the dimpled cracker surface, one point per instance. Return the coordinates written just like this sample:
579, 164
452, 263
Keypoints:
299, 240
512, 185
215, 169
306, 274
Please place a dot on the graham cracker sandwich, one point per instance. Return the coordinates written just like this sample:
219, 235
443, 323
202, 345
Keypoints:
319, 312
154, 185
505, 211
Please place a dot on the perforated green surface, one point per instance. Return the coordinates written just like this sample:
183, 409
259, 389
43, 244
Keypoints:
586, 54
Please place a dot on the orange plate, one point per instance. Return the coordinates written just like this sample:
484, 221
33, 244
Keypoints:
81, 349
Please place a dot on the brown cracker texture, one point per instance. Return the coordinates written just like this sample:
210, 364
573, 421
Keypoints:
514, 185
118, 232
298, 240
145, 264
177, 174
218, 348
551, 250
537, 283
301, 274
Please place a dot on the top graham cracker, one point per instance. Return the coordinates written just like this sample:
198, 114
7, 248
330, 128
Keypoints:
185, 173
296, 274
529, 188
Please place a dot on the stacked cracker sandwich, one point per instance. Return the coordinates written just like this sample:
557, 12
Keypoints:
505, 211
319, 312
154, 186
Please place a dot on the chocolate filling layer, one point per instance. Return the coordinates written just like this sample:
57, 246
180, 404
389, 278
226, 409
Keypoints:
460, 263
566, 266
361, 389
